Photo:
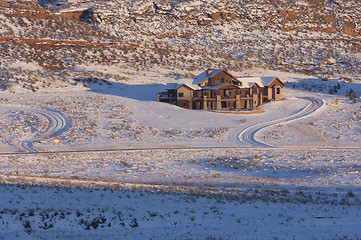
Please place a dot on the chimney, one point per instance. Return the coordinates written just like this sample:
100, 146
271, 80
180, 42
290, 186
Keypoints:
209, 72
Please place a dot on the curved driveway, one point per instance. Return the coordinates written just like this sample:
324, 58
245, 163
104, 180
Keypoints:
57, 124
248, 136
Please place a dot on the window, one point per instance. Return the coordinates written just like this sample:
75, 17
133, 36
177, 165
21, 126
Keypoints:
180, 94
222, 80
240, 92
278, 90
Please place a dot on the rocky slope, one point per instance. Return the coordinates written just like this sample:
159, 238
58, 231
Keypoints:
55, 41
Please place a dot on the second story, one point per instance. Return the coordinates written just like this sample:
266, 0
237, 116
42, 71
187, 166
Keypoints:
212, 77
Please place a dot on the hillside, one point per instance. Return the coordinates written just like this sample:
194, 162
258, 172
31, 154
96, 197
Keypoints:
50, 43
87, 151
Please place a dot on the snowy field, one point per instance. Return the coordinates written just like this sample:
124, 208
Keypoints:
117, 114
192, 168
165, 172
72, 213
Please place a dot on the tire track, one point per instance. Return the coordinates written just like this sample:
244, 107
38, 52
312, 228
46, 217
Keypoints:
57, 124
248, 135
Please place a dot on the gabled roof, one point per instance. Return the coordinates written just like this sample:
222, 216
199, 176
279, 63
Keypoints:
204, 76
170, 86
247, 82
250, 84
261, 81
188, 82
184, 81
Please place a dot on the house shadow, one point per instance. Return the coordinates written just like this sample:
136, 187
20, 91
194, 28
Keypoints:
141, 92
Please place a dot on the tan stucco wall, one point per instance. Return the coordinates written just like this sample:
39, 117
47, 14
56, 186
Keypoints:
187, 93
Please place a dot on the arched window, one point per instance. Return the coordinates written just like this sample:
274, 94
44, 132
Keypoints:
278, 90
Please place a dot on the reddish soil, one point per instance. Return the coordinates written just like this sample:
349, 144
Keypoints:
57, 44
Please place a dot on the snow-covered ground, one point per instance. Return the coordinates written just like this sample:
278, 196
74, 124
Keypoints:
214, 168
197, 180
71, 213
106, 115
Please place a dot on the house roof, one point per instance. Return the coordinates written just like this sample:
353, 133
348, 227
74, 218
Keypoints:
170, 86
183, 81
204, 76
248, 82
187, 82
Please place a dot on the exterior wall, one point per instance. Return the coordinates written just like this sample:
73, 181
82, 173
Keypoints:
228, 97
184, 93
278, 92
255, 94
184, 104
197, 105
273, 93
276, 84
269, 93
244, 92
197, 94
185, 97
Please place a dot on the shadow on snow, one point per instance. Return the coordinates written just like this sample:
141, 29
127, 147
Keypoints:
142, 92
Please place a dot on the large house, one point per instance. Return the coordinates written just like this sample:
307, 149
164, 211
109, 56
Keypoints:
217, 89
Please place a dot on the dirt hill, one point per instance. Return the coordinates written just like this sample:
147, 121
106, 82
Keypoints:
316, 37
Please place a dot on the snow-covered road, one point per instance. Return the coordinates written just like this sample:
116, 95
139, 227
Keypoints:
248, 136
56, 122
